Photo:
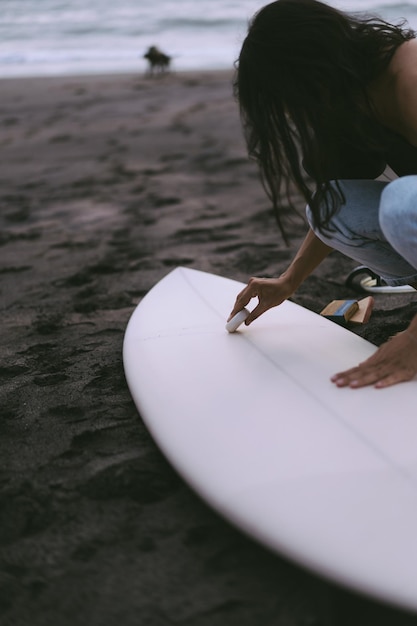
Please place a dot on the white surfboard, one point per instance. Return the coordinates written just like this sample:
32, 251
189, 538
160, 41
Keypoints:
322, 475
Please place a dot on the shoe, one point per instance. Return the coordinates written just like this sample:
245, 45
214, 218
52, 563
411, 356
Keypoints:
363, 279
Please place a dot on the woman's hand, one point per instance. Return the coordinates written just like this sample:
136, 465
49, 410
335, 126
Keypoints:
273, 291
394, 362
269, 291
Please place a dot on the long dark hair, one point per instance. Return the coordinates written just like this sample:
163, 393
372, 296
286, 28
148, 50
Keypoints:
301, 81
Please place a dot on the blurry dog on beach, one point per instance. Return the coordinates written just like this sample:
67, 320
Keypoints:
158, 61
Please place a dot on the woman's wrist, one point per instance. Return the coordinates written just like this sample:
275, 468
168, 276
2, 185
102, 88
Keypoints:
411, 336
411, 331
289, 283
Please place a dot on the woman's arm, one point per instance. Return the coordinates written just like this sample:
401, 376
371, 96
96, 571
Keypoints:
273, 291
404, 94
394, 93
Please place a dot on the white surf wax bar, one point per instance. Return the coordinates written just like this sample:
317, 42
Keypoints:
238, 319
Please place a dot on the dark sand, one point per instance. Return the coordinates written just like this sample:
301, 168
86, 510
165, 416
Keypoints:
107, 183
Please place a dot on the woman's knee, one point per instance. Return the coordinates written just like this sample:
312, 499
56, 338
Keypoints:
398, 208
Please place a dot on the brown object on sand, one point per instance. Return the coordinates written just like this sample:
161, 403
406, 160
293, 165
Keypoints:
364, 311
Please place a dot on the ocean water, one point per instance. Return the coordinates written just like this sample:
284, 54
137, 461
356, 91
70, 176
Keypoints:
58, 37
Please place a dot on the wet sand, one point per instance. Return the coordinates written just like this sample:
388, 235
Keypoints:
107, 183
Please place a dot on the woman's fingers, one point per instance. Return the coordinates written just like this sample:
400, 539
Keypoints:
269, 291
394, 362
244, 297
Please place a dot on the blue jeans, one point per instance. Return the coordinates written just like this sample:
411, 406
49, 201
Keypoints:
377, 227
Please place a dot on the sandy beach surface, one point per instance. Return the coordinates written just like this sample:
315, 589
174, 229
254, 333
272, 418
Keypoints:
107, 183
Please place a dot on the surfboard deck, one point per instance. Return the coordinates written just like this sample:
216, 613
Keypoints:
325, 476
